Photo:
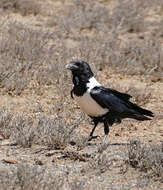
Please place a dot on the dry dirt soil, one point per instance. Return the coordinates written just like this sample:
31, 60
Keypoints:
43, 132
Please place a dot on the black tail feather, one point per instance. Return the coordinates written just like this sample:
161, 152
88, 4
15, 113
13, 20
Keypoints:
140, 117
141, 111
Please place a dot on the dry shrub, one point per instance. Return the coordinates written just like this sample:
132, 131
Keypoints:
157, 32
31, 177
8, 4
54, 132
81, 18
141, 56
77, 184
24, 43
26, 176
83, 15
132, 16
106, 159
24, 7
81, 142
128, 16
28, 59
138, 57
17, 127
98, 50
23, 54
8, 178
101, 163
31, 60
22, 131
38, 56
25, 131
146, 158
5, 123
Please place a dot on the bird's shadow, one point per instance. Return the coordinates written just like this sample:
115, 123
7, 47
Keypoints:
108, 144
118, 144
97, 144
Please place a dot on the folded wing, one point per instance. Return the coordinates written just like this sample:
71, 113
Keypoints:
119, 103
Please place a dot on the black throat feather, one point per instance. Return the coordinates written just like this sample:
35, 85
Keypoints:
80, 85
80, 78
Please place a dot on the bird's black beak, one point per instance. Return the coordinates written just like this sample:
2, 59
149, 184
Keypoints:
71, 66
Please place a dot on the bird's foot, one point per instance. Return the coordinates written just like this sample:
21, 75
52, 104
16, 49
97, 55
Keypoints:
104, 140
102, 147
92, 137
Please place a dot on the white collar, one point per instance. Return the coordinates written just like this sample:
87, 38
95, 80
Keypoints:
92, 83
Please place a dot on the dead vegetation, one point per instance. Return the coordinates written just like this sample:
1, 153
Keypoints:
24, 7
43, 135
25, 131
5, 127
28, 176
146, 158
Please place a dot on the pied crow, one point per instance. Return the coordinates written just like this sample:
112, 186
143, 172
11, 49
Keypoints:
102, 104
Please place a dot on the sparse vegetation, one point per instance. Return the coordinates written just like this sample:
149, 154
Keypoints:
25, 131
24, 7
43, 135
54, 132
29, 176
146, 158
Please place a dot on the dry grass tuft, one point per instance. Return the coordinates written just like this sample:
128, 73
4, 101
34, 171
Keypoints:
24, 7
146, 158
106, 159
25, 131
86, 16
26, 59
101, 163
5, 123
22, 131
53, 132
138, 57
128, 16
28, 176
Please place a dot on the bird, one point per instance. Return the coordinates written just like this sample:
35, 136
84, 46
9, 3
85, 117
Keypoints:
102, 104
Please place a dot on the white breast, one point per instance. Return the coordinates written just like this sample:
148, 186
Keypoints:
89, 106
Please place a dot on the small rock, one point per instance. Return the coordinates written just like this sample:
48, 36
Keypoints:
1, 137
39, 162
50, 153
9, 161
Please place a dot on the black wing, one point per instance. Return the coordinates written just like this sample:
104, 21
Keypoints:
120, 95
119, 103
111, 99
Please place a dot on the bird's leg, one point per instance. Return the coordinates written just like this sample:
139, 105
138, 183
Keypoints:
106, 131
72, 93
91, 134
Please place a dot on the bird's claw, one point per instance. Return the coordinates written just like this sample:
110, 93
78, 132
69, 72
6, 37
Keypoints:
93, 137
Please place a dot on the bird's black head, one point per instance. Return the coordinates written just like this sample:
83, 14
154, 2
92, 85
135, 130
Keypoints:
80, 68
